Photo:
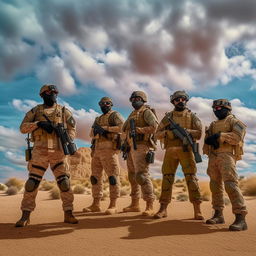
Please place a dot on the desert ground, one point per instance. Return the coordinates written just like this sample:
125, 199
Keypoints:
120, 234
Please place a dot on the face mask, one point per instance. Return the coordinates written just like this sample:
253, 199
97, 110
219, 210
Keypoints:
105, 109
137, 104
222, 113
180, 106
49, 100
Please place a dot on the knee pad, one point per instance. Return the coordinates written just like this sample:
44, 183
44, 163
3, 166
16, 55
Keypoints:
93, 180
167, 182
112, 180
63, 183
191, 182
141, 178
131, 177
32, 184
230, 186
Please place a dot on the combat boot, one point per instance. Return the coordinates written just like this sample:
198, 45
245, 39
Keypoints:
149, 209
239, 223
197, 212
69, 217
24, 220
95, 207
217, 218
162, 213
133, 207
112, 207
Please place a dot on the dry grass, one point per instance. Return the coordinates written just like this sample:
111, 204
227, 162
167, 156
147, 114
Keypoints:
47, 185
205, 190
15, 182
54, 193
79, 189
182, 197
12, 190
248, 186
3, 187
124, 190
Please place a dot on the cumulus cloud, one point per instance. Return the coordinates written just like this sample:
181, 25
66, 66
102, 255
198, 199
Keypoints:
122, 46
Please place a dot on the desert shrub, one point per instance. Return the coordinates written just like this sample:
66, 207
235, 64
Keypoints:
47, 185
15, 182
79, 189
12, 190
54, 193
179, 185
124, 182
178, 181
3, 187
248, 186
205, 190
182, 197
105, 195
157, 193
124, 191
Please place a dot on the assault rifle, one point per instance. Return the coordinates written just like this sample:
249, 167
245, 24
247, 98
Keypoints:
69, 147
133, 133
186, 138
97, 129
125, 148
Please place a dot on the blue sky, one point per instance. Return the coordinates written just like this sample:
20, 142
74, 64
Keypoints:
90, 49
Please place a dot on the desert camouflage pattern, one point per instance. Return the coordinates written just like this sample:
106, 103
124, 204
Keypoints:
222, 163
47, 150
138, 168
105, 155
174, 154
37, 166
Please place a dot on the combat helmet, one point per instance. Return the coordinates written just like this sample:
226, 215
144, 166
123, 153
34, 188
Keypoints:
106, 99
178, 94
222, 103
139, 94
48, 87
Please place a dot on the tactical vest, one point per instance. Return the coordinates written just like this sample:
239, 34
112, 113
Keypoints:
184, 119
106, 120
138, 116
225, 125
39, 136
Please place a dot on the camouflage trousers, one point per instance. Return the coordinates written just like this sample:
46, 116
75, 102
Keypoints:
173, 156
106, 159
222, 168
138, 173
41, 160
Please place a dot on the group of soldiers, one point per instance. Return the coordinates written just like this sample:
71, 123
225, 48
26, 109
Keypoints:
178, 132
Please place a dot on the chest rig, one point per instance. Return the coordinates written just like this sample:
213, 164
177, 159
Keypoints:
184, 119
41, 137
224, 125
106, 120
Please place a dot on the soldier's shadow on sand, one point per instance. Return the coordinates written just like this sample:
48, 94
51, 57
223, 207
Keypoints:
138, 227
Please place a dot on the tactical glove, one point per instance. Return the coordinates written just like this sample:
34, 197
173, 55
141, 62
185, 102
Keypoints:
47, 126
213, 140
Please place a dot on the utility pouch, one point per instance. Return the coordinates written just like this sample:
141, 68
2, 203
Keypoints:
28, 154
150, 157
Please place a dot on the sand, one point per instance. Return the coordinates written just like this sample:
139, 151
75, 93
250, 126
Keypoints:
120, 234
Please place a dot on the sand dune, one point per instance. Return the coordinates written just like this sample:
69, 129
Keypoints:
120, 234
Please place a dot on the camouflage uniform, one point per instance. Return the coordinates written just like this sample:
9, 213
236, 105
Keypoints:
47, 150
138, 168
175, 154
105, 155
222, 163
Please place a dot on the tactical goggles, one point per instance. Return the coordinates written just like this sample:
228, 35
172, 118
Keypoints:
180, 99
105, 103
137, 98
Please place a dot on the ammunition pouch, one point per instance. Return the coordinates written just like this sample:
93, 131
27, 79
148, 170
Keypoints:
28, 154
150, 156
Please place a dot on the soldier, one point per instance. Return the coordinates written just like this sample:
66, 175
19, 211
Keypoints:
138, 167
105, 134
224, 146
47, 150
178, 152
